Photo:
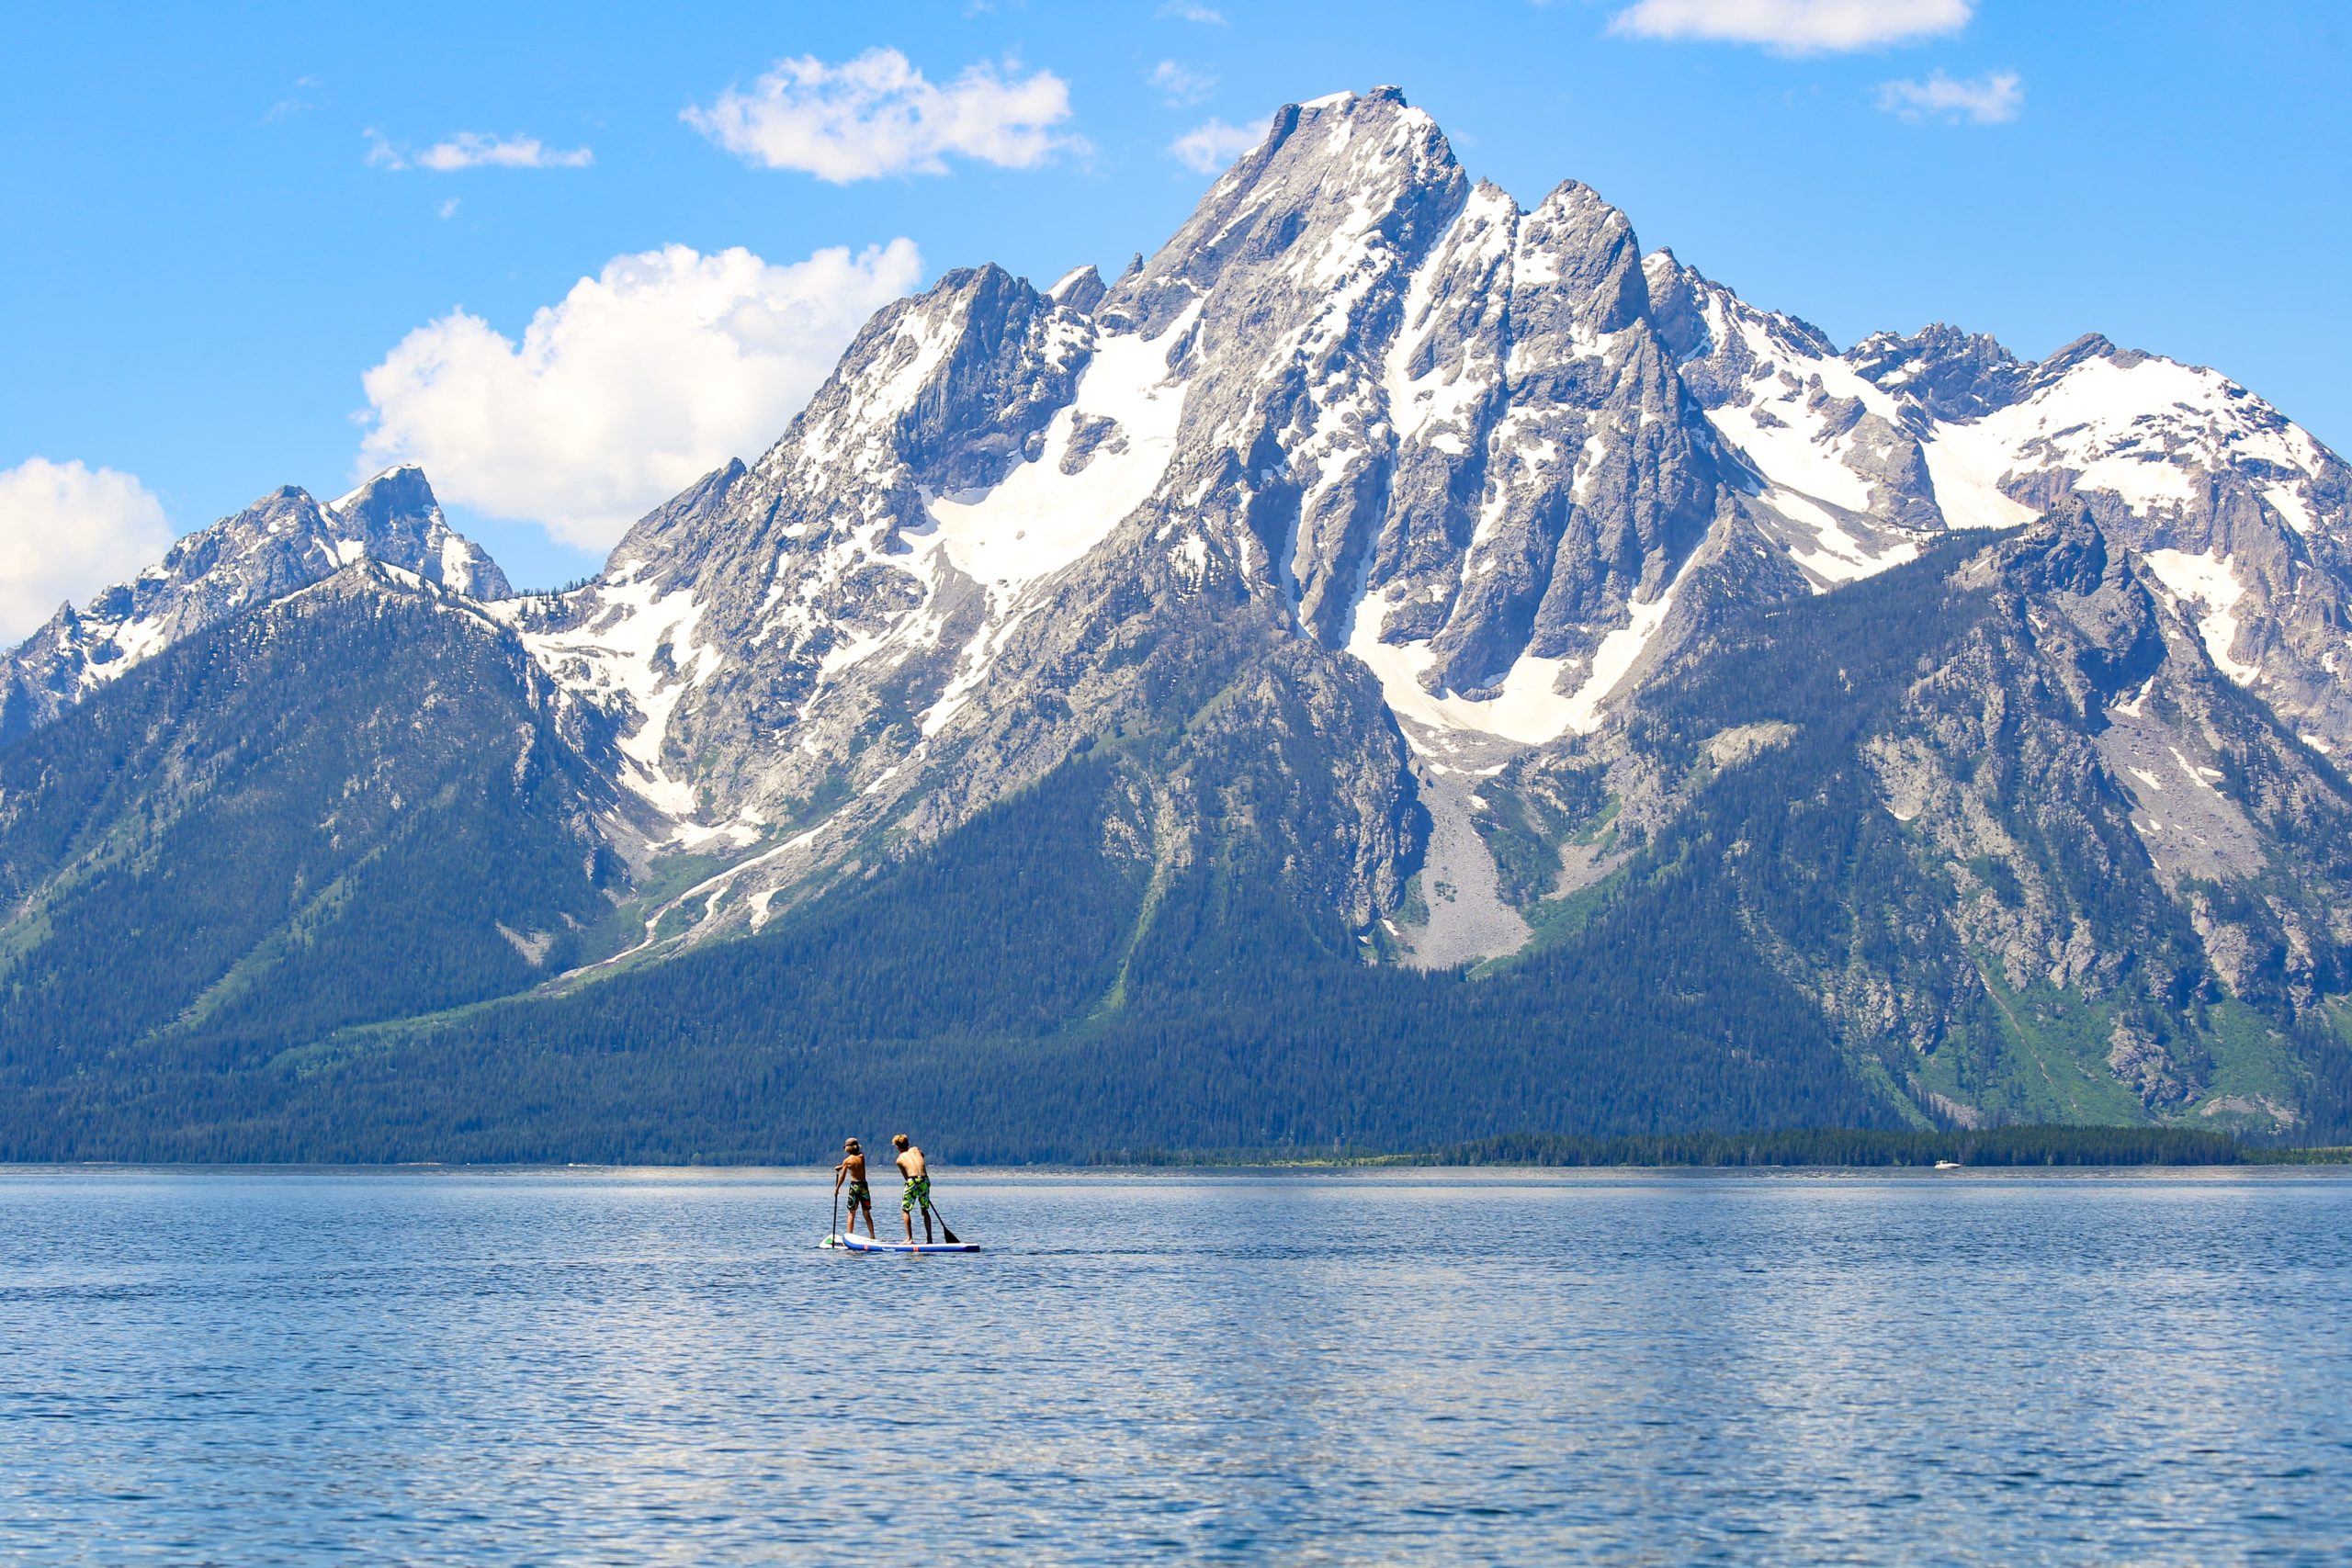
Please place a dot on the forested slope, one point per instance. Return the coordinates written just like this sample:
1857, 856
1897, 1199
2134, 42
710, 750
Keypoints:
1086, 967
359, 803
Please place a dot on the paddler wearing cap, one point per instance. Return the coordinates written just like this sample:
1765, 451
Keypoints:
853, 1170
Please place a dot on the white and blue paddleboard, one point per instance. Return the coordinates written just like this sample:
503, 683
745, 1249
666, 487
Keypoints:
866, 1244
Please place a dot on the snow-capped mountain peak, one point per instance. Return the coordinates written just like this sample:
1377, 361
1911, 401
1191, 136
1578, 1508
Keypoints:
282, 543
1476, 450
1485, 464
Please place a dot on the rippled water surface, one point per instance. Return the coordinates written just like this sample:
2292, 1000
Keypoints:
602, 1366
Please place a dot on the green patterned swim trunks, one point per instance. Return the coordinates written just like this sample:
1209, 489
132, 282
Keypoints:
918, 1191
859, 1194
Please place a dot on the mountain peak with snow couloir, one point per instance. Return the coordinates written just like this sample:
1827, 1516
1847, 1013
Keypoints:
1497, 459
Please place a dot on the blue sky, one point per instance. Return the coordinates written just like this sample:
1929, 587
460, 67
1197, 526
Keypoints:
217, 227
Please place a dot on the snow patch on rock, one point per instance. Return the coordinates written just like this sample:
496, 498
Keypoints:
2207, 580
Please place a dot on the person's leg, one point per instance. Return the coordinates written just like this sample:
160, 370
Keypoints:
926, 1225
907, 1213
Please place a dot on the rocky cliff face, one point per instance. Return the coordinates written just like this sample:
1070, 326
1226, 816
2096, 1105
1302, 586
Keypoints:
2023, 844
2119, 824
2243, 516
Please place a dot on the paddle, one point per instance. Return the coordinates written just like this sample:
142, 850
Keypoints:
836, 1232
943, 1231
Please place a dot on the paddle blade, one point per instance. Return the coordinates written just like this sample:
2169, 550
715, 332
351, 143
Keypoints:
949, 1237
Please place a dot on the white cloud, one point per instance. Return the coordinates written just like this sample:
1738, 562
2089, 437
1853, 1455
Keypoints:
67, 531
639, 381
877, 115
1186, 11
1212, 144
302, 101
449, 208
1994, 98
472, 150
1179, 85
1794, 26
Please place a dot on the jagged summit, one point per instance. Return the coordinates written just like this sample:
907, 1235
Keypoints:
1477, 448
1081, 288
396, 515
400, 479
282, 543
1949, 374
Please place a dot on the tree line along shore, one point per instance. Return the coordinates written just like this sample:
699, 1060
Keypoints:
1860, 1147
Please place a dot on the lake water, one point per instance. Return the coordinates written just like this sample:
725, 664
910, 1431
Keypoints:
598, 1366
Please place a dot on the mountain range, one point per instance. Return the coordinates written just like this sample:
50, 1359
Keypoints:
1392, 666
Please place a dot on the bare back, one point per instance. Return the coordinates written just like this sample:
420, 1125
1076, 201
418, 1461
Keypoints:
910, 1165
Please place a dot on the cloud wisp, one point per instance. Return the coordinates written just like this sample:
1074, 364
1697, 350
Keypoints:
300, 101
66, 531
878, 115
1191, 11
1180, 85
1994, 99
638, 382
1793, 27
473, 150
1212, 144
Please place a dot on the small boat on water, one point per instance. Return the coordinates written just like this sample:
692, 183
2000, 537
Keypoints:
1947, 1165
867, 1244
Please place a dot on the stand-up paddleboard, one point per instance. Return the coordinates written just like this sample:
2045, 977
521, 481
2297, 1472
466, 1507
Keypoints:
864, 1244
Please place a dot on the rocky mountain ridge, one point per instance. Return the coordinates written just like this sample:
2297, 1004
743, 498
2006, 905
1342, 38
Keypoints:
2046, 808
281, 543
1486, 452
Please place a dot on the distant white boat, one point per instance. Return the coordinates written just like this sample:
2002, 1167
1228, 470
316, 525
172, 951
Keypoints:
1947, 1165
